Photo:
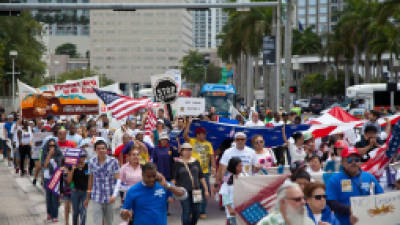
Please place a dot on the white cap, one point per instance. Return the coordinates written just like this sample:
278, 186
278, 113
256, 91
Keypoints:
164, 136
240, 134
160, 121
186, 146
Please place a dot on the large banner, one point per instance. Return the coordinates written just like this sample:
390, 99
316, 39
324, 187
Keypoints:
377, 209
69, 98
218, 132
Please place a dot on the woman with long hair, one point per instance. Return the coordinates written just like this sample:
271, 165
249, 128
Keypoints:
265, 156
51, 161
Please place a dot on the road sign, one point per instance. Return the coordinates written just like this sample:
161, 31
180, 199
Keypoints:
268, 50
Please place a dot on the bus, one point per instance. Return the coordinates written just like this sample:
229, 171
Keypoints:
220, 96
372, 96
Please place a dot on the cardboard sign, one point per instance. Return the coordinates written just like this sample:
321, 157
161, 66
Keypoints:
165, 88
37, 141
377, 209
190, 106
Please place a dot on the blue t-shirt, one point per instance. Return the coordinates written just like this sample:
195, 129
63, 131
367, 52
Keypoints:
149, 204
341, 187
163, 158
8, 126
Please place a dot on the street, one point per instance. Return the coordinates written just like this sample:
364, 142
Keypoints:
25, 204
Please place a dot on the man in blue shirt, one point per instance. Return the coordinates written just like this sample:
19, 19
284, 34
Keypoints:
349, 182
147, 200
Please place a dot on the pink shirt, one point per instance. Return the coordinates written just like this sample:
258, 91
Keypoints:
129, 175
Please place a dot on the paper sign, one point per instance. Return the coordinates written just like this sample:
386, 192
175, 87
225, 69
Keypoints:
37, 141
71, 156
190, 106
377, 209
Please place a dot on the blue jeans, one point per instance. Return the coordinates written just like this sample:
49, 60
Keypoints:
51, 202
190, 208
203, 205
78, 210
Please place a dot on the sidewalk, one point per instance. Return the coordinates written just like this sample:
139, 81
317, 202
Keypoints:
24, 204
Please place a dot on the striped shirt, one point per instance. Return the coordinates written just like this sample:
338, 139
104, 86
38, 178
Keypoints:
103, 178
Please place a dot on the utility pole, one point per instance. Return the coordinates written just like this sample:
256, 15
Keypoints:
278, 57
13, 55
288, 55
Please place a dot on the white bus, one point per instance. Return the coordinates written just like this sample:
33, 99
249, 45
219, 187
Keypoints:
372, 96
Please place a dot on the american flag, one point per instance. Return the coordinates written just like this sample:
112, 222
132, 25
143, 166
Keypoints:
377, 163
259, 205
121, 106
151, 122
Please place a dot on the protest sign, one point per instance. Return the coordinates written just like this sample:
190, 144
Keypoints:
165, 89
69, 98
377, 209
190, 106
71, 156
37, 141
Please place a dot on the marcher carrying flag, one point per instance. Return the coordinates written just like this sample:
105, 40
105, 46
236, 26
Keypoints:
376, 165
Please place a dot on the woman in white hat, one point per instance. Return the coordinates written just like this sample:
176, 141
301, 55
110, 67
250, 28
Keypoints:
188, 174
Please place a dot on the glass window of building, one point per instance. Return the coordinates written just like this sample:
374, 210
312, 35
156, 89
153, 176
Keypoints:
312, 10
302, 20
301, 11
323, 9
323, 19
301, 3
312, 2
323, 1
312, 20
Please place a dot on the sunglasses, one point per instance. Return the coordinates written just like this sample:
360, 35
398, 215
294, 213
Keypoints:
351, 160
259, 142
319, 197
52, 146
298, 199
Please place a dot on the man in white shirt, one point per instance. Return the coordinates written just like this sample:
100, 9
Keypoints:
117, 137
246, 154
277, 120
255, 121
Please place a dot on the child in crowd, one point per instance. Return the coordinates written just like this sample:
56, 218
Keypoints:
235, 168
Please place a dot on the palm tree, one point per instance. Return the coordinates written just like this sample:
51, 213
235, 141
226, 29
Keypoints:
307, 42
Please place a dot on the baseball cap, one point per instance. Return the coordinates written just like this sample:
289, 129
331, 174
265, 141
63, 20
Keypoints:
160, 121
200, 130
240, 134
164, 136
348, 151
307, 136
340, 144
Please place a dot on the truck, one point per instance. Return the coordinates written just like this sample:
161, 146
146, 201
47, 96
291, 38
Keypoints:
372, 96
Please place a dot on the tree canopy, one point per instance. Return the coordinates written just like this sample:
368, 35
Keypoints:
67, 49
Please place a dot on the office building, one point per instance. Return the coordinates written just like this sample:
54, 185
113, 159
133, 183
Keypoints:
321, 14
207, 25
129, 47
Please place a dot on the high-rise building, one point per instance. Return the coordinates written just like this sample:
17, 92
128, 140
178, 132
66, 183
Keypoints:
131, 46
207, 25
64, 22
321, 14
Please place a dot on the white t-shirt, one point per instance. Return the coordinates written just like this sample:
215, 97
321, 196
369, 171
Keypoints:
266, 159
312, 172
276, 124
247, 155
250, 123
317, 217
296, 153
26, 137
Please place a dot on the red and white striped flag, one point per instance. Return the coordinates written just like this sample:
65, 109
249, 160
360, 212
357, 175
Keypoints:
151, 122
122, 106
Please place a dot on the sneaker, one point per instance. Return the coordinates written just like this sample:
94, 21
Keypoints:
16, 170
203, 216
34, 182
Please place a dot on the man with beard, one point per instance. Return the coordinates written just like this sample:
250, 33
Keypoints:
289, 207
349, 182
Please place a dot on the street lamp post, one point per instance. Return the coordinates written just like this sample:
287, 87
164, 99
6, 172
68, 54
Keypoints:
56, 62
13, 55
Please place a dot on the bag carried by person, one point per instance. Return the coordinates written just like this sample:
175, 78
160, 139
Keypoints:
196, 193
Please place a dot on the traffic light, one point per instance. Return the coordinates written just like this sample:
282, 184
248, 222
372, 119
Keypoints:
292, 89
